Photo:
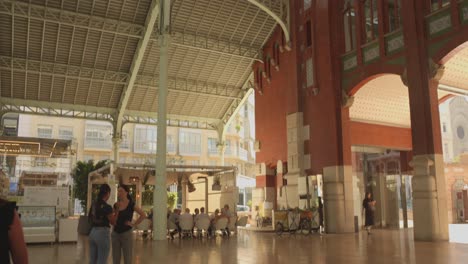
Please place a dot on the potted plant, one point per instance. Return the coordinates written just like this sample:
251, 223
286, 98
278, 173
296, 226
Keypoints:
80, 188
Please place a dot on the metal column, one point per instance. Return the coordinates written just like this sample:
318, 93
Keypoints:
160, 193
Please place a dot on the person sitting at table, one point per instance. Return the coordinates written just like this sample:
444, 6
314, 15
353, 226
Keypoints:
174, 218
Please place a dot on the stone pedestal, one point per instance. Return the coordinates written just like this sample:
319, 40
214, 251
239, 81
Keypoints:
296, 135
338, 199
429, 198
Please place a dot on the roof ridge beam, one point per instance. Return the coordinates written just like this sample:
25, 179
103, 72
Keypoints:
219, 46
136, 62
33, 107
193, 87
63, 70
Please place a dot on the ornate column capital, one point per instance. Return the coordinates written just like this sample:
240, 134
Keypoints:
436, 71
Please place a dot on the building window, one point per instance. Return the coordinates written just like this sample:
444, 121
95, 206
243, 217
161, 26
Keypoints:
460, 132
371, 20
276, 54
189, 142
66, 133
212, 163
309, 72
308, 33
438, 4
44, 131
145, 139
212, 148
350, 28
444, 128
124, 143
98, 136
228, 149
394, 14
170, 144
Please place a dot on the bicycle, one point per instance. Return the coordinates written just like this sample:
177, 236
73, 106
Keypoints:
309, 222
293, 226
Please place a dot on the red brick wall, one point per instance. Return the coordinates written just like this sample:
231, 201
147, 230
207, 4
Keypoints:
275, 100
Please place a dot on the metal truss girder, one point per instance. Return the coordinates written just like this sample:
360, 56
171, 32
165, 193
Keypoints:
83, 73
172, 120
279, 11
12, 105
136, 63
63, 70
235, 107
193, 87
214, 45
73, 19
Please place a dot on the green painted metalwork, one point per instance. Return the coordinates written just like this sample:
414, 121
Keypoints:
394, 42
349, 61
371, 52
439, 22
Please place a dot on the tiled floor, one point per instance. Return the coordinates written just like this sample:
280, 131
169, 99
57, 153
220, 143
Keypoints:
383, 246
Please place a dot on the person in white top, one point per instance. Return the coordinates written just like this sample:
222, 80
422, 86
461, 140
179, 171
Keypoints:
186, 215
201, 215
174, 218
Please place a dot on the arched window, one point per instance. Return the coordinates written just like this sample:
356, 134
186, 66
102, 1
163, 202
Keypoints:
438, 4
350, 27
260, 78
268, 67
393, 12
371, 20
276, 55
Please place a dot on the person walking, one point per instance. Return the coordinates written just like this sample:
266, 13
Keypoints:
11, 235
368, 206
122, 239
100, 215
320, 212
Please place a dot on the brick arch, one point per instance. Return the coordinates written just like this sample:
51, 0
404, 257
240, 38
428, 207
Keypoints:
451, 49
445, 98
371, 77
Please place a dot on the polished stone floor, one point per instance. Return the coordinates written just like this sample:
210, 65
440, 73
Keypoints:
383, 246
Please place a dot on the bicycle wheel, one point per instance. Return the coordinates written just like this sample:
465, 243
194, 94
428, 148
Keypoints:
314, 225
305, 227
293, 228
279, 229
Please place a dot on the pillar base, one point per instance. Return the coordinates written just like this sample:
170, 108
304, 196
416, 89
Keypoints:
338, 199
429, 198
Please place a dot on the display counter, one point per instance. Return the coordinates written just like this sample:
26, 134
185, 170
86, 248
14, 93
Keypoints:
458, 233
68, 229
38, 223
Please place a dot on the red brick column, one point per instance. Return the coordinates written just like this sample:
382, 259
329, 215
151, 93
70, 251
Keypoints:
429, 192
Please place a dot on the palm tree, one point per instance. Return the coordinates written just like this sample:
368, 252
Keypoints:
80, 179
